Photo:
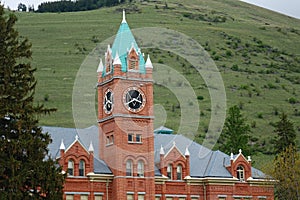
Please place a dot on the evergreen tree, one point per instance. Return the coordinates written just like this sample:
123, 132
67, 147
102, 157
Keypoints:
26, 172
235, 134
287, 173
286, 134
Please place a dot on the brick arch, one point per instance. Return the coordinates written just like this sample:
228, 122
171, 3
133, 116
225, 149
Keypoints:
245, 165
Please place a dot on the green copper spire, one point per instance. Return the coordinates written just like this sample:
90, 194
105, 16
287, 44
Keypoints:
123, 42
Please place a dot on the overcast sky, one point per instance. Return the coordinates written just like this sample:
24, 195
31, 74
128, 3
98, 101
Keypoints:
288, 7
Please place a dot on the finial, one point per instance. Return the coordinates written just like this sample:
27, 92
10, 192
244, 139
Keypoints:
249, 159
62, 145
91, 148
148, 63
124, 20
174, 143
76, 137
162, 152
187, 152
231, 156
240, 150
100, 66
117, 60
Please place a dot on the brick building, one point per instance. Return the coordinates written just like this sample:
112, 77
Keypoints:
124, 158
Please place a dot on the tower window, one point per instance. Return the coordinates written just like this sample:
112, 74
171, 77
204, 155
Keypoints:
240, 173
133, 62
130, 137
109, 139
129, 168
70, 168
81, 167
169, 171
138, 138
179, 172
140, 168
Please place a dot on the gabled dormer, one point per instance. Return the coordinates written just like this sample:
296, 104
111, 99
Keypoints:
76, 160
174, 164
108, 61
240, 167
132, 59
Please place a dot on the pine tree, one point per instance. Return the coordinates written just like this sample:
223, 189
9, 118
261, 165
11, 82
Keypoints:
26, 171
235, 134
286, 134
287, 174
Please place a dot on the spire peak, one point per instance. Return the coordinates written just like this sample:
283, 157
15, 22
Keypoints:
124, 19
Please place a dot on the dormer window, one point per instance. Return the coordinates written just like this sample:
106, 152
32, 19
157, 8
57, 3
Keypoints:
108, 63
240, 173
81, 167
133, 59
179, 172
70, 168
132, 65
169, 171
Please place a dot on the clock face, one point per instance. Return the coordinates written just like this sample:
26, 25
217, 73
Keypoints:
108, 101
134, 99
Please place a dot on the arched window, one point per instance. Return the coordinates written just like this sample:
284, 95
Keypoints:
240, 173
179, 172
140, 168
70, 168
81, 167
169, 171
129, 168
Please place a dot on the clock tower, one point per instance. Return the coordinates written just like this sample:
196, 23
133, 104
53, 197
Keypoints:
125, 117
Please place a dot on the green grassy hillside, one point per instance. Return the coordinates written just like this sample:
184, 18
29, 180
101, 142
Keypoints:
257, 52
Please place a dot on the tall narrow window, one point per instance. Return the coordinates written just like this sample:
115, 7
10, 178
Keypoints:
240, 173
129, 168
140, 168
81, 167
130, 137
179, 172
169, 171
70, 168
138, 138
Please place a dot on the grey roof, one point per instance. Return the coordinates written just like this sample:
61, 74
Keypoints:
203, 161
85, 137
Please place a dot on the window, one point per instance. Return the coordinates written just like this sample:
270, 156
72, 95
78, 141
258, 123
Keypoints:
132, 63
98, 197
109, 139
81, 167
70, 168
130, 137
69, 197
240, 173
129, 196
169, 198
179, 172
141, 197
129, 168
84, 197
140, 168
181, 198
169, 171
157, 198
138, 138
